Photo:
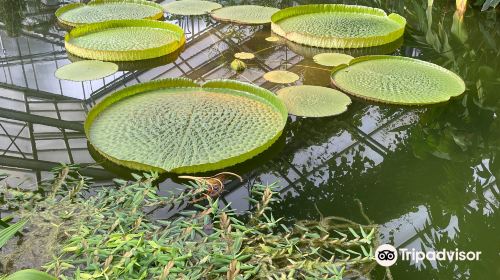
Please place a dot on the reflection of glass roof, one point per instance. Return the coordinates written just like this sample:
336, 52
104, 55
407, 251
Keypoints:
324, 162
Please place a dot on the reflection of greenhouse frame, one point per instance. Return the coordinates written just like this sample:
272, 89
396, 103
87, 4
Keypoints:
125, 55
229, 87
337, 42
59, 12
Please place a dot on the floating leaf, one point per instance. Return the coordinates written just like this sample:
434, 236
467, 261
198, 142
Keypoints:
30, 274
124, 40
272, 39
191, 7
77, 14
245, 14
86, 70
332, 59
281, 77
338, 26
244, 55
397, 80
175, 125
314, 101
238, 65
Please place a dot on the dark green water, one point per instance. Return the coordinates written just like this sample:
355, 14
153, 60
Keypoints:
427, 175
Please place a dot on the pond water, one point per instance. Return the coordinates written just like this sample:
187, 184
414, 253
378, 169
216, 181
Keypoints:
427, 175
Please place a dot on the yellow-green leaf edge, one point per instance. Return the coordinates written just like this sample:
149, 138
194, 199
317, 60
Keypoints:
72, 6
336, 42
262, 94
374, 57
126, 55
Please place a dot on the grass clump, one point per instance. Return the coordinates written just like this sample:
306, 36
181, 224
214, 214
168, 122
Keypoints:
114, 236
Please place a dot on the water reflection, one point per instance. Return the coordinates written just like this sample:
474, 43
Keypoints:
427, 175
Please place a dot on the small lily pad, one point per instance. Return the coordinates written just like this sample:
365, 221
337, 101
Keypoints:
281, 77
86, 70
397, 80
244, 55
332, 59
272, 39
314, 101
245, 14
191, 7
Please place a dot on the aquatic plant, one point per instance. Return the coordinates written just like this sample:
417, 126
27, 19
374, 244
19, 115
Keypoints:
9, 231
281, 77
86, 70
314, 101
77, 14
124, 40
29, 274
114, 235
238, 65
397, 80
244, 55
191, 7
338, 26
187, 127
245, 14
332, 59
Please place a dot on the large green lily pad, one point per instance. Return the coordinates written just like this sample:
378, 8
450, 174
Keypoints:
124, 40
245, 14
397, 80
338, 26
191, 7
314, 101
77, 14
178, 126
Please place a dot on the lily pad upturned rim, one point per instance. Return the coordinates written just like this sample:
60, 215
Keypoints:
210, 6
336, 42
376, 57
63, 9
125, 55
266, 96
239, 21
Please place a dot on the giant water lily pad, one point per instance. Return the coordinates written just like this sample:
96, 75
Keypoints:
178, 126
124, 40
191, 7
86, 70
245, 14
338, 26
102, 10
314, 101
397, 80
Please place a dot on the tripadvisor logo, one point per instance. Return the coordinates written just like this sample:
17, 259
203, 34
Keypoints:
386, 255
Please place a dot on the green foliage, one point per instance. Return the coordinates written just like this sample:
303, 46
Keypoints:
314, 101
115, 235
397, 80
30, 274
222, 123
245, 14
120, 241
338, 26
77, 14
8, 232
86, 70
124, 40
